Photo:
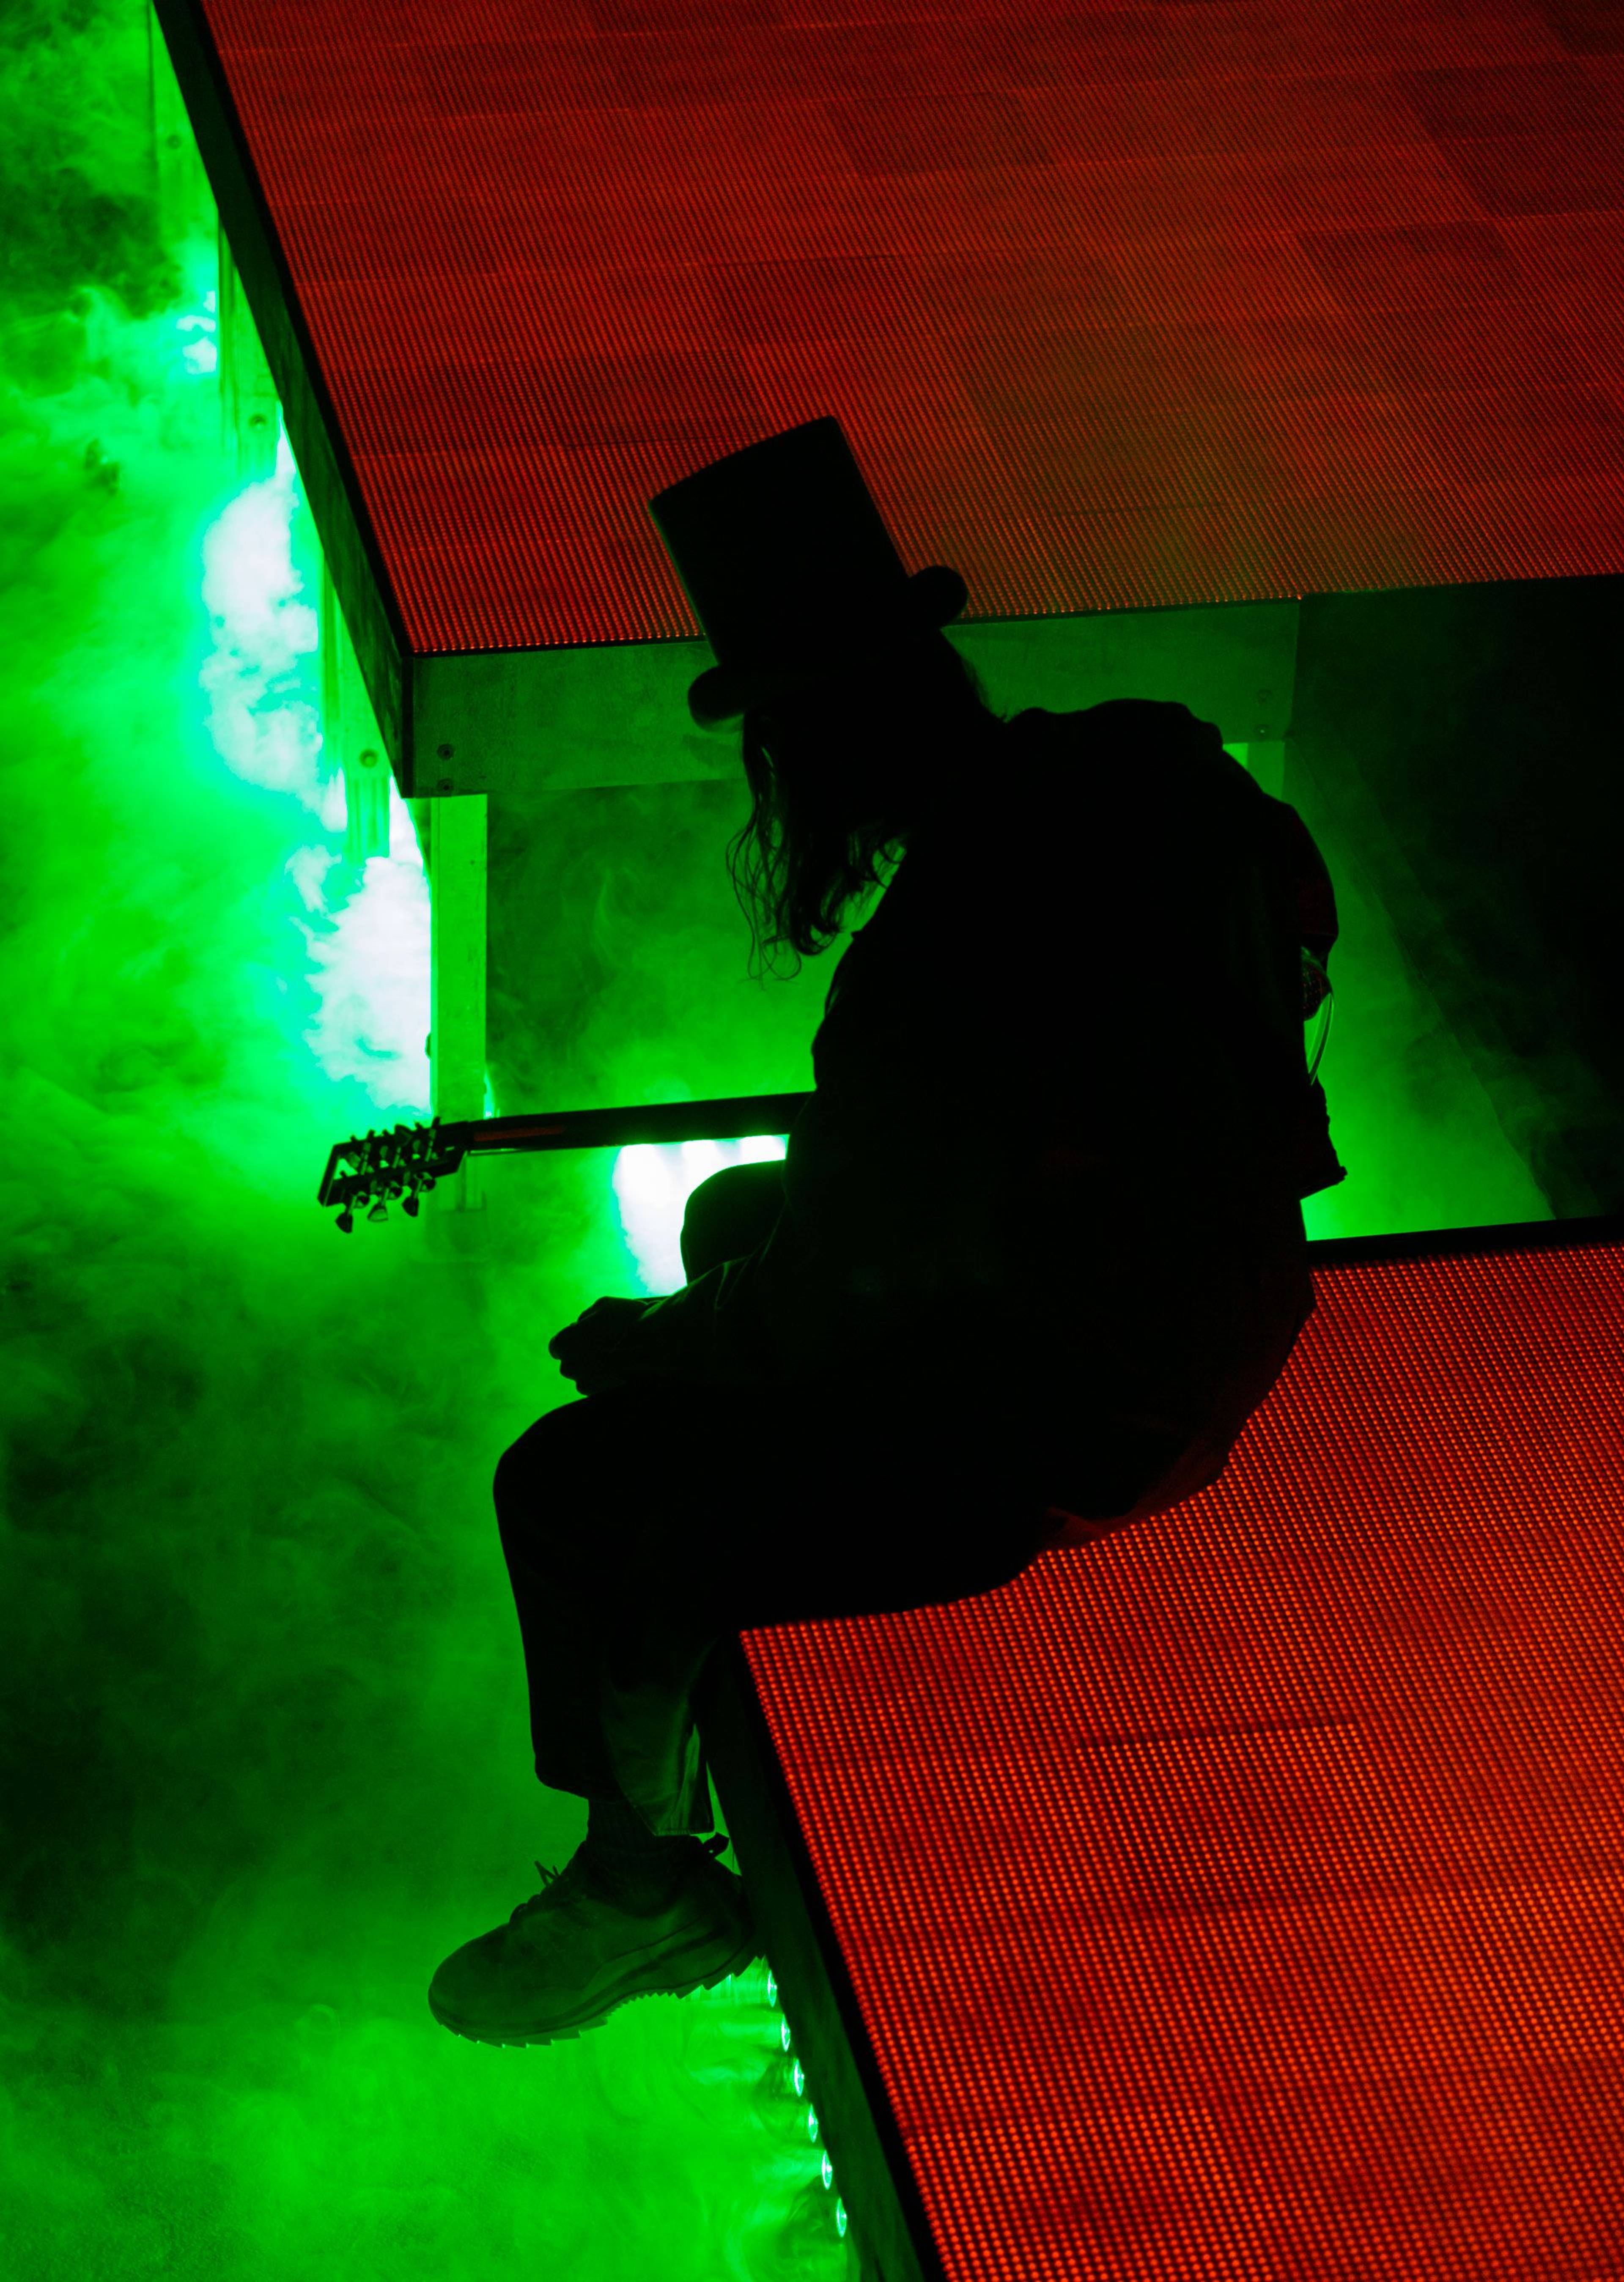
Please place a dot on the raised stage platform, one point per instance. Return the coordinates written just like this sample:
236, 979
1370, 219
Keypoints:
1259, 356
1239, 1896
1124, 309
1242, 1894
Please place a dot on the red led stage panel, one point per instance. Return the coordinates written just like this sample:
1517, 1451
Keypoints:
1241, 1894
1120, 305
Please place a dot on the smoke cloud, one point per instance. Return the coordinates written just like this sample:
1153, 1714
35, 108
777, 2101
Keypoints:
266, 1758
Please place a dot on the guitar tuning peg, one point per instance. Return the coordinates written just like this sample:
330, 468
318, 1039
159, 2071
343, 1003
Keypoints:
347, 1220
410, 1208
380, 1211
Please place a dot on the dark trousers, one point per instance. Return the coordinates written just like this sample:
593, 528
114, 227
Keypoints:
643, 1525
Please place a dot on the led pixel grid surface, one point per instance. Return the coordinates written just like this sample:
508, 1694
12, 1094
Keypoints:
1242, 1894
1120, 307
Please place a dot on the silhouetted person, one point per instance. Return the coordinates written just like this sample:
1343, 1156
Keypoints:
1035, 1252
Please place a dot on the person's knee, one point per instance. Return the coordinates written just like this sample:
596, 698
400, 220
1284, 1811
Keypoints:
729, 1213
524, 1467
557, 1488
537, 1521
504, 1486
508, 1493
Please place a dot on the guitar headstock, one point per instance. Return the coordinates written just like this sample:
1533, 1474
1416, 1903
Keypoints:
401, 1164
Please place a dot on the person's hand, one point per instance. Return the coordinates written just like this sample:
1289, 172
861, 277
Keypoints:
586, 1348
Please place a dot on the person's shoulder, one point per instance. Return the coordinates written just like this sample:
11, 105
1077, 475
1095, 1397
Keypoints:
1115, 721
1037, 739
1096, 747
1039, 728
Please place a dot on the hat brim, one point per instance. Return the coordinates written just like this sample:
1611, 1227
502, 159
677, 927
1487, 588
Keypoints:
931, 599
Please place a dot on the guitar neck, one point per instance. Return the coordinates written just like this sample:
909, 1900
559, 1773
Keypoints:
731, 1120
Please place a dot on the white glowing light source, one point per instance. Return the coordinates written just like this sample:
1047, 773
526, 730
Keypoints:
263, 726
652, 1182
200, 355
369, 971
366, 940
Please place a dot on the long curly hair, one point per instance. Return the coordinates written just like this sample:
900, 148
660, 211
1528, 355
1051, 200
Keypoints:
837, 782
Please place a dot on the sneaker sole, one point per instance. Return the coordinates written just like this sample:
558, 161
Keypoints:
597, 2011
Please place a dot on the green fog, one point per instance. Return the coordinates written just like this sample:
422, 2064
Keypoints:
264, 1718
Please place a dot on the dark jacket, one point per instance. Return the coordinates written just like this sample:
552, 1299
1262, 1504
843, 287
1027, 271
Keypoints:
1051, 1172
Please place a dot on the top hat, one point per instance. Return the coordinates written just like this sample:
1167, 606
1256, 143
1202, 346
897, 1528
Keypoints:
791, 571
